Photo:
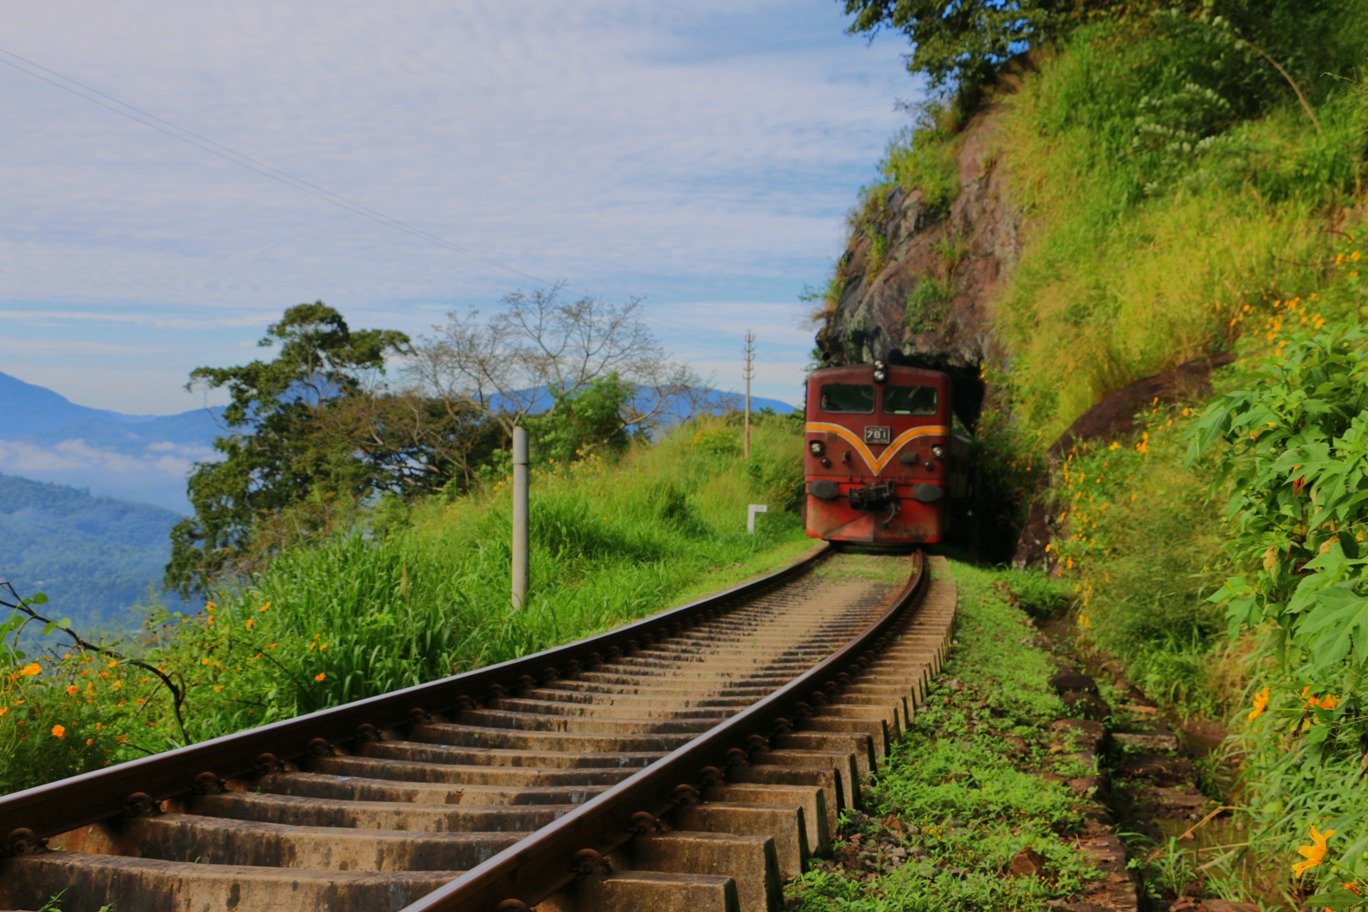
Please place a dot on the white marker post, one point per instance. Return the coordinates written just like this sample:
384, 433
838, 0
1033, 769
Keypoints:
750, 515
519, 517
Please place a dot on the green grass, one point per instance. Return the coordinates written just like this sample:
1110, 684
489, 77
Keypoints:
966, 789
422, 594
1137, 253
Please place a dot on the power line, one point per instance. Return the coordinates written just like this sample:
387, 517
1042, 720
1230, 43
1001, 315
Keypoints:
190, 137
166, 127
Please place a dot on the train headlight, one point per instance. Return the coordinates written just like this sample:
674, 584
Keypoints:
816, 447
938, 451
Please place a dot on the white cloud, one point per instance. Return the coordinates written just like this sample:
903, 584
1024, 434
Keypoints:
76, 455
156, 476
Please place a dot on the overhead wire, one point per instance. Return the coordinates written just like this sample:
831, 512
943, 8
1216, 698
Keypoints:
190, 137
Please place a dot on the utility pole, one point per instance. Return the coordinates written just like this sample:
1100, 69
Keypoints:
749, 372
519, 517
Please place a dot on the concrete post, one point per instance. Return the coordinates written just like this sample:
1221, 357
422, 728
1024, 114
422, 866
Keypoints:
519, 517
750, 515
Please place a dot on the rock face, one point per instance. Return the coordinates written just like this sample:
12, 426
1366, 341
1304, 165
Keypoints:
966, 253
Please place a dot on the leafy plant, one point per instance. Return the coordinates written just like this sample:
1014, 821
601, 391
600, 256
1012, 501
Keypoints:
928, 302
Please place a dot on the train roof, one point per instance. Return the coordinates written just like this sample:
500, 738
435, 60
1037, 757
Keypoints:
864, 372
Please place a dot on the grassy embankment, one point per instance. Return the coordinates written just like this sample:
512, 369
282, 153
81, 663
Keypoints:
1183, 194
978, 781
415, 596
1177, 206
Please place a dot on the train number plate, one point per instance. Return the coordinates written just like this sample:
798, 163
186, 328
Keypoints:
876, 433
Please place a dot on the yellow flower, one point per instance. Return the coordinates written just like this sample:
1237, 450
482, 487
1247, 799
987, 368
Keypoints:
59, 731
320, 676
31, 669
1313, 853
265, 607
250, 624
1260, 704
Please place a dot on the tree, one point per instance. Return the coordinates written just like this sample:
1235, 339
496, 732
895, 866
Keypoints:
961, 42
305, 425
542, 351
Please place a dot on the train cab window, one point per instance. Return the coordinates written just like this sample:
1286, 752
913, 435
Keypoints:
847, 397
910, 400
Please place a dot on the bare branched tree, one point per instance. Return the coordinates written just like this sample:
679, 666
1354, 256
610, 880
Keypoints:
541, 344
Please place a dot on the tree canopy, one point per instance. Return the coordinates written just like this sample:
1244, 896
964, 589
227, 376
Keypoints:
542, 348
964, 43
309, 431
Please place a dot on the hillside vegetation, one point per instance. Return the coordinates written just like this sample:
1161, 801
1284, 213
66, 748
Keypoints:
94, 556
1178, 206
1188, 179
414, 593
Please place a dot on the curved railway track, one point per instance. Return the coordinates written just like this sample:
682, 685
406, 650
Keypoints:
687, 761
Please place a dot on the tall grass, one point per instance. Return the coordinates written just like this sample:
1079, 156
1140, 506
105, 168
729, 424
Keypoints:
421, 595
1158, 201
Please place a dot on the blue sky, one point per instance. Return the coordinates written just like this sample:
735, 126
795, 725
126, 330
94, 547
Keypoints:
702, 156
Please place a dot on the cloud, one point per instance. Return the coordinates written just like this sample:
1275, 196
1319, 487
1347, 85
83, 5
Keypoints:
75, 455
157, 475
144, 317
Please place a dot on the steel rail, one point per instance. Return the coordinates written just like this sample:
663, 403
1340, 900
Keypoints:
553, 857
32, 815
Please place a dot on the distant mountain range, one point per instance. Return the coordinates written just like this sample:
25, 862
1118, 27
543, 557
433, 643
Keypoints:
145, 458
46, 437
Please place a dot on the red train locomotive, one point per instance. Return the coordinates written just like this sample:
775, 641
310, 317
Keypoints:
881, 464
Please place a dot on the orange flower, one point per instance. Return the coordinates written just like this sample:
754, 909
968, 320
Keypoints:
1260, 704
250, 624
320, 676
1313, 853
71, 689
31, 669
1329, 701
266, 606
59, 731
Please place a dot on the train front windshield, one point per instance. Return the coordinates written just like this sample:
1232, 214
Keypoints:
910, 400
847, 397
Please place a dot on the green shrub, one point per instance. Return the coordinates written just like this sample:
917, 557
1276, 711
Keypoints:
928, 302
925, 159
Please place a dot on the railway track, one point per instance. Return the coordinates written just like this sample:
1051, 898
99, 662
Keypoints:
688, 761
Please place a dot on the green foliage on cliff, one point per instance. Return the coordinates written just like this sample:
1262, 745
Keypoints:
1189, 191
1169, 176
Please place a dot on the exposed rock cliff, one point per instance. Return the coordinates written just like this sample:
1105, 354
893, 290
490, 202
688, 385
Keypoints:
916, 282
